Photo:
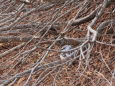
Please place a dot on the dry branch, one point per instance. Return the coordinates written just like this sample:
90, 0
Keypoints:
59, 20
11, 50
86, 18
26, 72
104, 24
90, 26
39, 8
4, 39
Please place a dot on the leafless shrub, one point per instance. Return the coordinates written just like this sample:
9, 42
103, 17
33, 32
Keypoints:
37, 32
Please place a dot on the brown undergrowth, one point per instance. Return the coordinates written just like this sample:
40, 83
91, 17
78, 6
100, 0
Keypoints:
31, 43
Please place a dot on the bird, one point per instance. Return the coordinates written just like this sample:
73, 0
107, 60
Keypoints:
65, 55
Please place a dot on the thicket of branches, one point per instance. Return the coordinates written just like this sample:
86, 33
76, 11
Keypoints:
33, 34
